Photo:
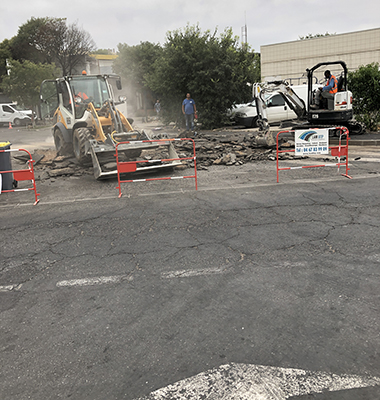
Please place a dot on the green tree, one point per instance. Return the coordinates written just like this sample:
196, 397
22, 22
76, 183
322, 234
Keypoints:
365, 86
134, 64
215, 70
23, 82
24, 46
5, 54
48, 40
65, 45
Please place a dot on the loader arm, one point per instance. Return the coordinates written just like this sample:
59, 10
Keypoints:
99, 136
115, 116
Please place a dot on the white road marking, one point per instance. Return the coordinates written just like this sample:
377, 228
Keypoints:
257, 382
192, 272
368, 159
9, 288
374, 257
100, 280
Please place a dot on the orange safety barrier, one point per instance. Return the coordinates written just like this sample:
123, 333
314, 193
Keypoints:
131, 166
336, 151
22, 175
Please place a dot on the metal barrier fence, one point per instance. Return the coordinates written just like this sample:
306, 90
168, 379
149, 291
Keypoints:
22, 175
125, 167
336, 151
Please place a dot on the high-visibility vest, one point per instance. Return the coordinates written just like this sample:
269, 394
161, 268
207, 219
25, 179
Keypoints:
334, 89
83, 95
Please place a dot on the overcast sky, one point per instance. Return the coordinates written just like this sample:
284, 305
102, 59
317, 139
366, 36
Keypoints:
134, 21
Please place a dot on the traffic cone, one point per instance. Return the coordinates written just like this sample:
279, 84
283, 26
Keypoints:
10, 126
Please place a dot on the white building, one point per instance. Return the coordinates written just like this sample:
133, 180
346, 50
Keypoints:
99, 64
291, 59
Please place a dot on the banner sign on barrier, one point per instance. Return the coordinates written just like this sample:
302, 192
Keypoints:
312, 141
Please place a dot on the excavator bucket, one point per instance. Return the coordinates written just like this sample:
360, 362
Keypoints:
266, 139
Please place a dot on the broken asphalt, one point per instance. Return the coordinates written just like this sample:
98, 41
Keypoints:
113, 298
226, 159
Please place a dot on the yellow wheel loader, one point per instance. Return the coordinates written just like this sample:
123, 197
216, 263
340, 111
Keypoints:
88, 125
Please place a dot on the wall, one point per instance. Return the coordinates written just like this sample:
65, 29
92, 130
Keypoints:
100, 64
291, 59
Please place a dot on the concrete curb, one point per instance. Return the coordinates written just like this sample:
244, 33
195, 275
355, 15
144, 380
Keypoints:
367, 140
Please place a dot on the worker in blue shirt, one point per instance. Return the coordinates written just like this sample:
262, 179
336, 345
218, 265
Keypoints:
188, 110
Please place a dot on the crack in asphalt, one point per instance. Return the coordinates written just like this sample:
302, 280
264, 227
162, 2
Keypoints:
83, 229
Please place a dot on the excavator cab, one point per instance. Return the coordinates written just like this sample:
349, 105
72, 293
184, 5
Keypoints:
336, 111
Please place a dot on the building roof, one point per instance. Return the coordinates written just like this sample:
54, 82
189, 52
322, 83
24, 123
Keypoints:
104, 56
332, 35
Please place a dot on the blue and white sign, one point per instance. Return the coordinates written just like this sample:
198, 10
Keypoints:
312, 141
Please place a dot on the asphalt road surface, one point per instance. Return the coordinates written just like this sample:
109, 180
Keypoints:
244, 289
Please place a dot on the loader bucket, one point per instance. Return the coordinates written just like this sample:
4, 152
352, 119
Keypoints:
102, 151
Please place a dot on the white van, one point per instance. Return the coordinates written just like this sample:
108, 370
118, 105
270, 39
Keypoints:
10, 114
277, 109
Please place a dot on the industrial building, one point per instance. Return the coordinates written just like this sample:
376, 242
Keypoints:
290, 60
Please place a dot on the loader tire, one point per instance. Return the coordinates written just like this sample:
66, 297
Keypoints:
80, 137
63, 148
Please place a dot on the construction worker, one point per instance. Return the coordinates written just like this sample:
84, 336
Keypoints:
326, 92
82, 96
189, 109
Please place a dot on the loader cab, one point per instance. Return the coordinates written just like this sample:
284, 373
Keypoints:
66, 99
85, 89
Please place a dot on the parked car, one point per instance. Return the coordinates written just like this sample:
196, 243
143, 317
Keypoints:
10, 113
277, 109
235, 108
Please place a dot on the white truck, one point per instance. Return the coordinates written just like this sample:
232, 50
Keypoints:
9, 113
277, 109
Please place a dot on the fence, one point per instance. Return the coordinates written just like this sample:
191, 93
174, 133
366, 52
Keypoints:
125, 167
336, 151
21, 175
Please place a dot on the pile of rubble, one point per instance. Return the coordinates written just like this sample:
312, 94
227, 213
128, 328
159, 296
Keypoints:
212, 148
228, 149
48, 165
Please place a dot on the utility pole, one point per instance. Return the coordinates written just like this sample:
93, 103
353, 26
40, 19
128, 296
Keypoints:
244, 34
